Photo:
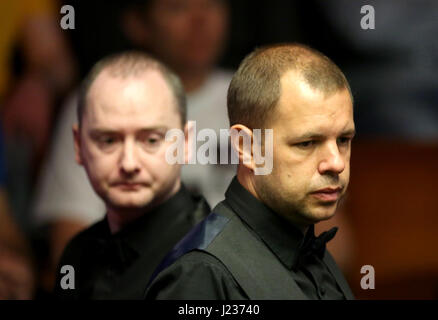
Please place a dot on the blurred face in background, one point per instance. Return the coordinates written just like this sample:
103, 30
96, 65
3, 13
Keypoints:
311, 155
122, 144
186, 34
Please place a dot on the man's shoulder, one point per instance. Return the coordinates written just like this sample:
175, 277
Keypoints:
195, 259
78, 252
195, 275
216, 255
82, 240
194, 245
208, 228
211, 224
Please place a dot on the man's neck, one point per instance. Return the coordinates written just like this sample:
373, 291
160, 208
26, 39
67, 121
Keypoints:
119, 218
245, 178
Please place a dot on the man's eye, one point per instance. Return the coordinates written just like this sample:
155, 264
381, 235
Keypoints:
344, 140
107, 140
305, 144
151, 142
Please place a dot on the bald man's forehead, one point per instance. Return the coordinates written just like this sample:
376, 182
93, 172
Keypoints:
136, 99
297, 78
146, 84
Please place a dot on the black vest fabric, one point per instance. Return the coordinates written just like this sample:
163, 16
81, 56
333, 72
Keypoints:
254, 267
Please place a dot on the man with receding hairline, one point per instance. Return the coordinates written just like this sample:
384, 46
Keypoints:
259, 242
127, 104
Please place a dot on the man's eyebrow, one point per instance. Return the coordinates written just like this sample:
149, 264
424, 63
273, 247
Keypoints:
314, 135
95, 131
99, 131
350, 132
157, 128
310, 135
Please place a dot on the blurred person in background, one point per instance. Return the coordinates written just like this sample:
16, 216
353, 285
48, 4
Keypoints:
392, 68
187, 35
16, 269
36, 69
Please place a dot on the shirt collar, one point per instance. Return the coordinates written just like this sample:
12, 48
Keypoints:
283, 238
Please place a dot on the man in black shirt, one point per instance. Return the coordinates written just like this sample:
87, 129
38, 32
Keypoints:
127, 104
259, 242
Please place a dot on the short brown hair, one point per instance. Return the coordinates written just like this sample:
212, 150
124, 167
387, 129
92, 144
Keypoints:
256, 88
128, 64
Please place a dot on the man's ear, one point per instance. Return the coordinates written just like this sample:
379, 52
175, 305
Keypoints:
134, 28
241, 143
77, 143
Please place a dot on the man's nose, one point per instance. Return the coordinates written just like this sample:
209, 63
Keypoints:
129, 163
332, 160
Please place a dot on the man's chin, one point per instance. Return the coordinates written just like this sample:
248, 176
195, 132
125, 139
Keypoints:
323, 212
130, 203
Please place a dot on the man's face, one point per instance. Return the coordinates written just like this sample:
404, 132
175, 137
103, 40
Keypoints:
122, 143
187, 33
312, 147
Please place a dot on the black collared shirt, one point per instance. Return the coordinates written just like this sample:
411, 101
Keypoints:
119, 266
198, 275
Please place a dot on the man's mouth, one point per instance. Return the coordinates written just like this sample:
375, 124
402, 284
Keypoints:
329, 194
128, 186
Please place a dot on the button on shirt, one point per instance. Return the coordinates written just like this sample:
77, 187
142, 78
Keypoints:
119, 266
